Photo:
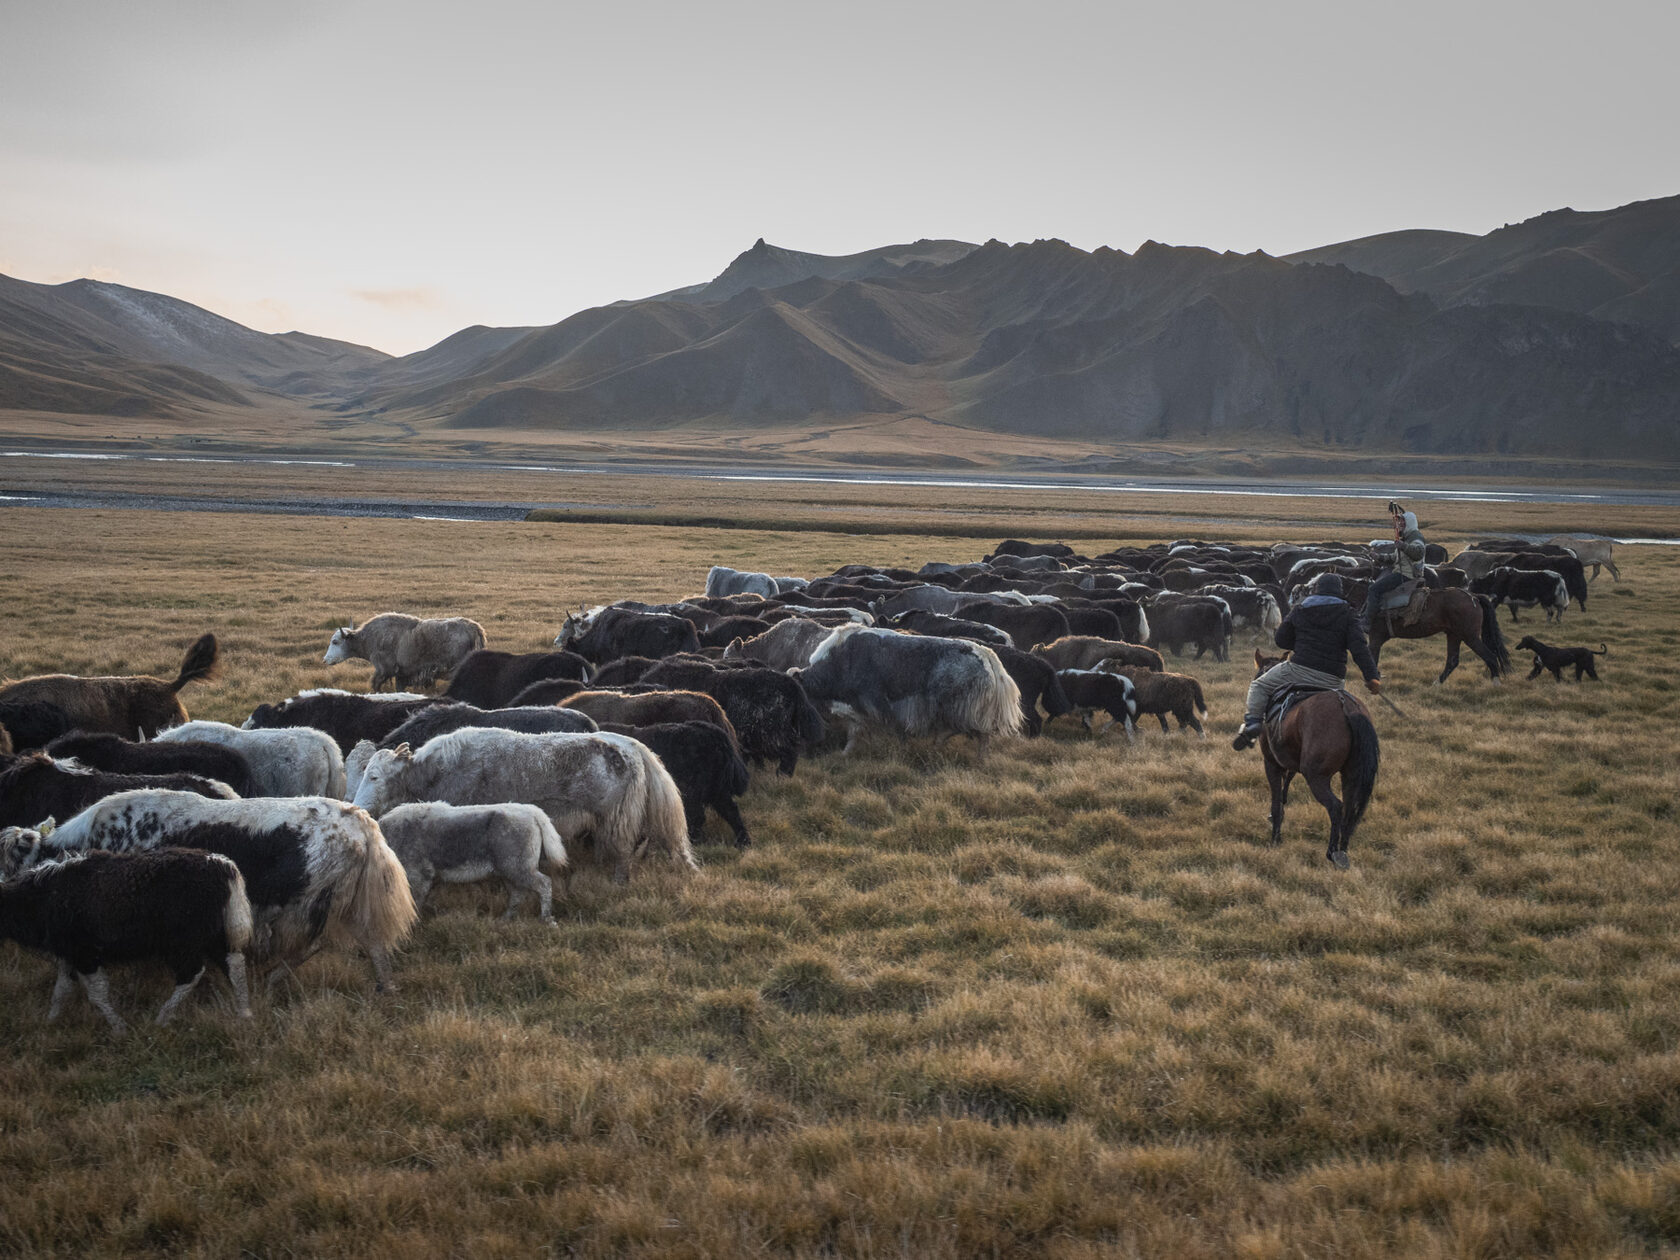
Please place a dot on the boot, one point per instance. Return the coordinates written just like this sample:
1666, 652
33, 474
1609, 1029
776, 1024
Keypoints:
1248, 734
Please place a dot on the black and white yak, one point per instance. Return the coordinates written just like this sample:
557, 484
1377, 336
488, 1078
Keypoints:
1093, 690
88, 910
318, 871
36, 786
1525, 588
914, 684
610, 788
407, 650
286, 761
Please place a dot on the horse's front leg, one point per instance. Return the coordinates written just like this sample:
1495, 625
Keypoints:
1326, 796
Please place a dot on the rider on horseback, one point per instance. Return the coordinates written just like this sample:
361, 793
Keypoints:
1320, 632
1409, 551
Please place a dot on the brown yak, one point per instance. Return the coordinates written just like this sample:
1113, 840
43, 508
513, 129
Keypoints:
124, 706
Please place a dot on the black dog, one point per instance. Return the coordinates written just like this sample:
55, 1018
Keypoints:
1556, 658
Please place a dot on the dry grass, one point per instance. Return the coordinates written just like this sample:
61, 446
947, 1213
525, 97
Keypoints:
1062, 1002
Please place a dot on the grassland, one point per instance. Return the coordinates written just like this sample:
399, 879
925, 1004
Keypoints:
1064, 1001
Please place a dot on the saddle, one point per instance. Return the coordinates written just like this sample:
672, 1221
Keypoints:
1408, 600
1283, 703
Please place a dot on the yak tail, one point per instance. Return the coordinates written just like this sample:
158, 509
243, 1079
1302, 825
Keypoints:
995, 707
650, 816
554, 849
379, 910
1493, 637
1359, 774
236, 914
1201, 704
738, 778
199, 662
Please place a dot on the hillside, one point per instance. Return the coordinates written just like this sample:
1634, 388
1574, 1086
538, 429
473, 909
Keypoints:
1621, 265
1168, 344
89, 346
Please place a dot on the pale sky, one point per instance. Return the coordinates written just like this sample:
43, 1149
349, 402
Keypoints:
388, 172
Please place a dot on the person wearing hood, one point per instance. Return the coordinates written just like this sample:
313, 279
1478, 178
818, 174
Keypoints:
1320, 633
1408, 560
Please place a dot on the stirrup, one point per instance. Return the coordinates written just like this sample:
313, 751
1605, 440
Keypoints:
1246, 738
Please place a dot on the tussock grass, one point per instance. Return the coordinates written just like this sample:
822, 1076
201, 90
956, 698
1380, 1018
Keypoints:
1061, 1001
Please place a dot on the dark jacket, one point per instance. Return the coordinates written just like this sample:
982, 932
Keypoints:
1321, 631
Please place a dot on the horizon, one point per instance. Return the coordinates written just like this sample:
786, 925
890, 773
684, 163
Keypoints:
390, 174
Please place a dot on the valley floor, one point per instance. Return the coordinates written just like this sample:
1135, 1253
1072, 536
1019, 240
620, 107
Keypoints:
1065, 1000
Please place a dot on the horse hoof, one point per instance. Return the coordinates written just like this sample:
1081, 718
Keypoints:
1339, 861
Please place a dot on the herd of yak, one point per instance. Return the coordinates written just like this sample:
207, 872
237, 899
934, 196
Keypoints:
325, 819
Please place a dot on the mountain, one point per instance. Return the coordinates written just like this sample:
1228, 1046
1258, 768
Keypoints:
89, 346
1550, 338
1172, 344
770, 267
1621, 265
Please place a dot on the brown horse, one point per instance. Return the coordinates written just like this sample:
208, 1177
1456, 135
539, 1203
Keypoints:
1459, 615
1326, 734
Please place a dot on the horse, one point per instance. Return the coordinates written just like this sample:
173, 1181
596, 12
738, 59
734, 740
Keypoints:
1323, 735
1459, 615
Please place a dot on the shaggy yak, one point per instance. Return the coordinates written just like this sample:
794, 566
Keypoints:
529, 719
605, 634
607, 786
1161, 694
705, 765
127, 706
464, 844
913, 683
492, 679
31, 724
787, 644
1037, 682
405, 649
651, 708
290, 761
349, 718
188, 910
1078, 651
773, 718
37, 787
318, 871
120, 756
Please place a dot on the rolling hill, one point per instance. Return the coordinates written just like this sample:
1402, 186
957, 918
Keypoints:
1621, 265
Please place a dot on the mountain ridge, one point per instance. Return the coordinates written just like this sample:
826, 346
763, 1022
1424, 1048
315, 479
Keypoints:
1551, 337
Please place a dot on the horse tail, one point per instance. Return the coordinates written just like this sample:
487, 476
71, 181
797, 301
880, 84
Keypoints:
1359, 775
1492, 636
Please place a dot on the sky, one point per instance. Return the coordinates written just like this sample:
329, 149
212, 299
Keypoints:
388, 173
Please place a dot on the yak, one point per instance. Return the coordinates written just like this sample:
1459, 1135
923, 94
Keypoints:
126, 706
